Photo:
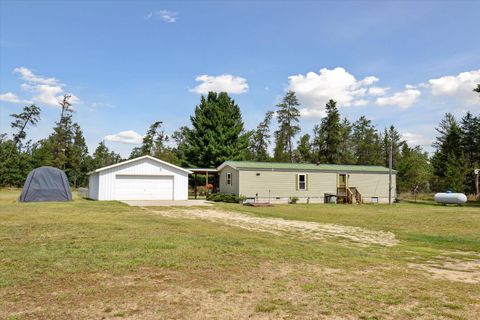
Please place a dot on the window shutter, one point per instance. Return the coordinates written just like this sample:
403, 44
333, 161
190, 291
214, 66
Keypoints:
306, 182
296, 182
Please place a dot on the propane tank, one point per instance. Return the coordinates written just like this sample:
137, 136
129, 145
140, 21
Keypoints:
450, 198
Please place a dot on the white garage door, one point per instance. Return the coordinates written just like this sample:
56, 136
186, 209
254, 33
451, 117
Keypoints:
139, 187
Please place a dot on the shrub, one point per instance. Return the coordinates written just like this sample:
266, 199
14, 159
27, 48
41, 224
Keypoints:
222, 197
293, 200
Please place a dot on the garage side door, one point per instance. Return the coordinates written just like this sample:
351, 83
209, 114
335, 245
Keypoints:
141, 187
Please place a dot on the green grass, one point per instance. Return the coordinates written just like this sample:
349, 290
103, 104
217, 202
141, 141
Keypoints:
87, 259
423, 224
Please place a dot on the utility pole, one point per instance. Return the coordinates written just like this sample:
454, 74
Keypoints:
477, 174
390, 164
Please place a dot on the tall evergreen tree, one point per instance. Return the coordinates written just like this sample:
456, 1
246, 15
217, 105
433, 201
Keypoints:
77, 158
287, 117
367, 145
470, 130
455, 173
260, 139
103, 157
303, 153
62, 135
217, 132
328, 135
345, 149
448, 153
29, 116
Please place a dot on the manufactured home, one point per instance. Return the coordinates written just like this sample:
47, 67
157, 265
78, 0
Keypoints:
143, 178
310, 183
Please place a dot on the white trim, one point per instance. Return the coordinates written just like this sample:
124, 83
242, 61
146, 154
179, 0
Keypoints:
137, 159
229, 178
304, 181
225, 164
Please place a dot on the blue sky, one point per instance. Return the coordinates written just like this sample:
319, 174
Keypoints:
130, 63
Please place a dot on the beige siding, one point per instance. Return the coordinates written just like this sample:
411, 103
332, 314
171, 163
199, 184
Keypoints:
372, 184
282, 184
229, 189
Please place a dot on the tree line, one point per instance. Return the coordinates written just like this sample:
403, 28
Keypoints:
217, 133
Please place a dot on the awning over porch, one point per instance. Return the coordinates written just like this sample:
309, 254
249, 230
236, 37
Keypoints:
212, 172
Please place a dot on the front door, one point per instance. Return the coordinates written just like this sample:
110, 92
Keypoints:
342, 180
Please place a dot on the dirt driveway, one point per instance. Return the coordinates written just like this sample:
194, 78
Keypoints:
167, 203
307, 229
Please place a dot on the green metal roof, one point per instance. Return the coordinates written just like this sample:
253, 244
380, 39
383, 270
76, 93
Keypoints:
303, 166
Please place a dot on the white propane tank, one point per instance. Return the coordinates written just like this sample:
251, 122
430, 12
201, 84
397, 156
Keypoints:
450, 198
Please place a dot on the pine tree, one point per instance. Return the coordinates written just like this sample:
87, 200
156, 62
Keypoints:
217, 132
62, 136
29, 116
287, 117
328, 135
345, 148
470, 136
77, 155
455, 173
367, 145
103, 157
448, 147
260, 139
303, 152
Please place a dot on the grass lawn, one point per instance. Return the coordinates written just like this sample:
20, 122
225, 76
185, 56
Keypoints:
92, 260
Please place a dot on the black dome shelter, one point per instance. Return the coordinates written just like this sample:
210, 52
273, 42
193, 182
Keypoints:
46, 184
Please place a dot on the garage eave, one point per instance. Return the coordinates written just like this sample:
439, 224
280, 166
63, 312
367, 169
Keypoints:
138, 159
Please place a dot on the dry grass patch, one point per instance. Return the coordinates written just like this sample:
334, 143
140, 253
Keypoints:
94, 260
279, 226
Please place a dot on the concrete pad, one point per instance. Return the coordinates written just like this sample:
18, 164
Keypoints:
167, 203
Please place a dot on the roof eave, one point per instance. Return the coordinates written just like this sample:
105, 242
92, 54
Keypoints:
137, 159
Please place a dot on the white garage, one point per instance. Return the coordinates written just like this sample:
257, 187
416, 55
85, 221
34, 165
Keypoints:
143, 178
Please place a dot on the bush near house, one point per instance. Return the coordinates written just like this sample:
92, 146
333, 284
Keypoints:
222, 197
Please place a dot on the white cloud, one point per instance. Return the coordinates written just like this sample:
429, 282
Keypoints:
368, 81
415, 139
128, 137
48, 91
27, 75
222, 83
460, 86
312, 113
315, 89
360, 103
403, 99
10, 97
165, 15
377, 91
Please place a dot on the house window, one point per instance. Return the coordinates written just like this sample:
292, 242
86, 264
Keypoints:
229, 178
302, 182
